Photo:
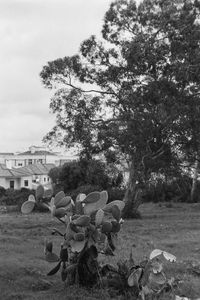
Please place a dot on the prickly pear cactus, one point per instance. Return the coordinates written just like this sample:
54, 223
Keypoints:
90, 227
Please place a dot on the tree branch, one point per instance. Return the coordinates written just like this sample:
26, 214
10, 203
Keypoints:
90, 91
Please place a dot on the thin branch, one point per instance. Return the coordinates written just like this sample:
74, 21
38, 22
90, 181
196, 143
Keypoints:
89, 91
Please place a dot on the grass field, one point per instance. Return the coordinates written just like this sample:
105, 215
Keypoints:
174, 228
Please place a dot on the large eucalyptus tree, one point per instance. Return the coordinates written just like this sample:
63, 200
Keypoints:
133, 94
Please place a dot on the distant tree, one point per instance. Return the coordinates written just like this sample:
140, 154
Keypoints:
92, 172
144, 75
71, 176
189, 140
54, 174
95, 173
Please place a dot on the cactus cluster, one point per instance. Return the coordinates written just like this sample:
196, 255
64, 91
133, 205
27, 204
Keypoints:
90, 227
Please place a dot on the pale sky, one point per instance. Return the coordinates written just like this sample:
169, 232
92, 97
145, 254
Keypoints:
33, 32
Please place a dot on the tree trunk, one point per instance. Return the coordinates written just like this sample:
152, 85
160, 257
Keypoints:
132, 196
193, 193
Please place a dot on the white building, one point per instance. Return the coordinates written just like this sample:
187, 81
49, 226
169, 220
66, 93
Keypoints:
30, 168
35, 155
25, 177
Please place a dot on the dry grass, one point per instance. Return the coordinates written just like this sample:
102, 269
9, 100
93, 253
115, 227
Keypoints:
23, 270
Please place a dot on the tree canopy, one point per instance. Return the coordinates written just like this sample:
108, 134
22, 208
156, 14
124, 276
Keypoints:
136, 91
83, 173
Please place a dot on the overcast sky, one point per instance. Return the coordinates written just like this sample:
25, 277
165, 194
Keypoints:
33, 32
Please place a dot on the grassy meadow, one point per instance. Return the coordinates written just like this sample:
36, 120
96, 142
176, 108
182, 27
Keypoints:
174, 228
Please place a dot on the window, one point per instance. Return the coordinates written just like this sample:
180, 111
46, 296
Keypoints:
25, 182
19, 164
44, 179
12, 184
40, 160
30, 162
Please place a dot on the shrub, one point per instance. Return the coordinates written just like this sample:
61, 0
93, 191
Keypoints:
176, 190
116, 193
71, 176
84, 189
113, 193
54, 174
2, 191
15, 197
57, 188
93, 172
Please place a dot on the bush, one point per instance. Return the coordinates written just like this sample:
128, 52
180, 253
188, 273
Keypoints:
176, 190
15, 197
2, 191
57, 188
73, 175
116, 194
84, 189
95, 173
113, 193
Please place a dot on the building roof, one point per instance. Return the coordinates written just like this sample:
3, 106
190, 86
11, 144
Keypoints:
37, 152
4, 172
6, 153
35, 169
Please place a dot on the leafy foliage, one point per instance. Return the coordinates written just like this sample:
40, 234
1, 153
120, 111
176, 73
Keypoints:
14, 197
71, 176
84, 189
170, 190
